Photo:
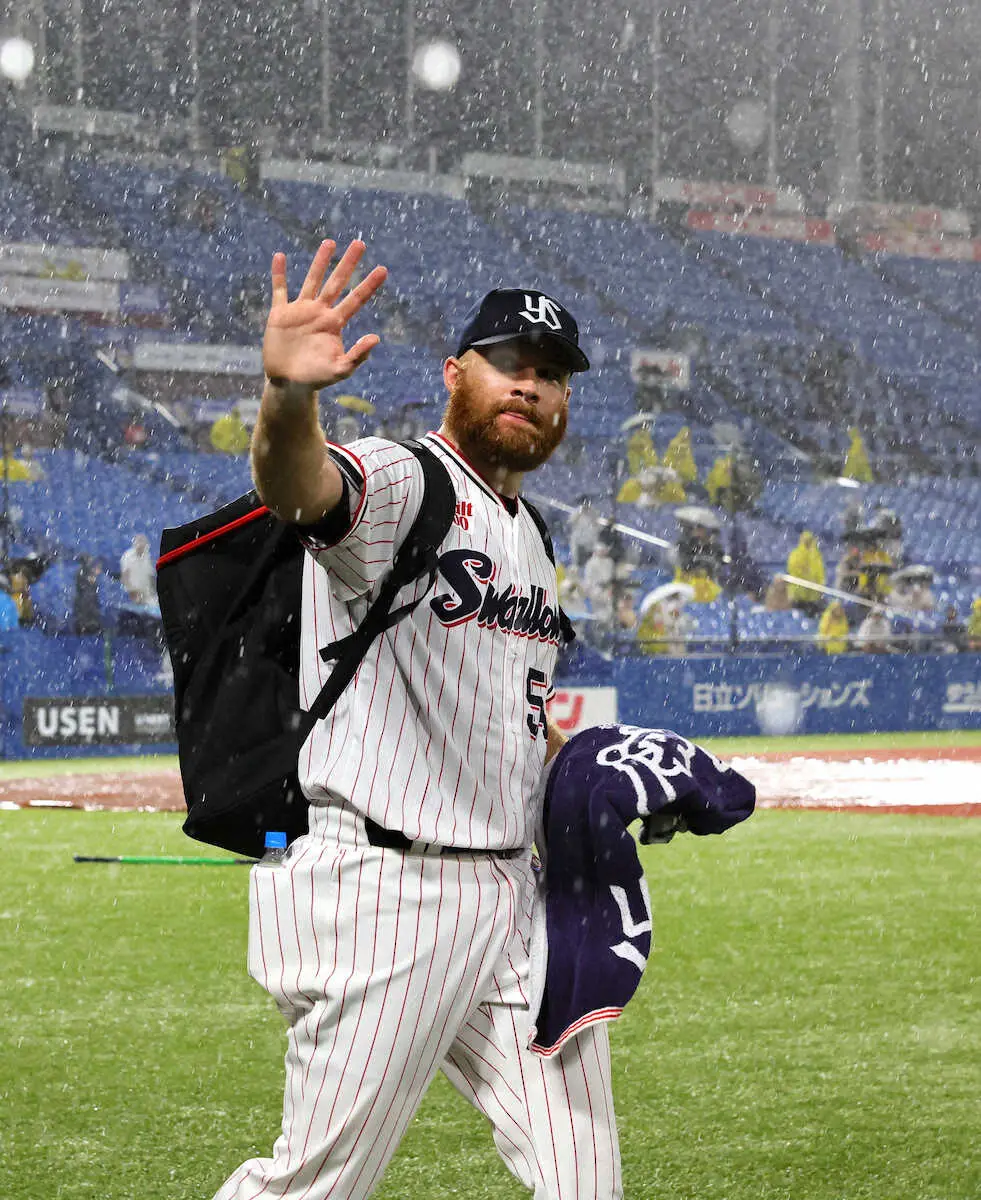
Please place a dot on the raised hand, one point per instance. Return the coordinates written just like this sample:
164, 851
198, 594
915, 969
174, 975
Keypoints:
303, 342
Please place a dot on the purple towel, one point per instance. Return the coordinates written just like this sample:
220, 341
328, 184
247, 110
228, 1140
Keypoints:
597, 908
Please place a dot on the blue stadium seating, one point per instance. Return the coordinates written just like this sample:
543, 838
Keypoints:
761, 307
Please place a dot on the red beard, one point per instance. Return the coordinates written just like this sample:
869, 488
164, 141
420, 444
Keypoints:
513, 446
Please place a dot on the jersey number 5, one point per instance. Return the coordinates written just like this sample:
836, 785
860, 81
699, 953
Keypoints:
535, 695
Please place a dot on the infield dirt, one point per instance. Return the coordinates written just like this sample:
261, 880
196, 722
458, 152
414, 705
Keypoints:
938, 780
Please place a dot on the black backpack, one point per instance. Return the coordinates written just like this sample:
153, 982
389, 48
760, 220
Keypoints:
229, 585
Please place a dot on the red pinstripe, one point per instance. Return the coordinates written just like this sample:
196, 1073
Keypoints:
336, 927
442, 983
502, 1111
477, 975
354, 1038
424, 692
589, 1105
337, 1023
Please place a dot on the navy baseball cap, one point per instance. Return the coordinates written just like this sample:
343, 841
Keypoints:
508, 313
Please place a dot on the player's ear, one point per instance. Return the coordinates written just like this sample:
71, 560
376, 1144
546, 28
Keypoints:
452, 370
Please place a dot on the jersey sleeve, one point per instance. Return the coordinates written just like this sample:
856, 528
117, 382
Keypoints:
356, 542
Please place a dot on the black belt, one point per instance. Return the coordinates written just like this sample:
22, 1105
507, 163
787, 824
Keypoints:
394, 839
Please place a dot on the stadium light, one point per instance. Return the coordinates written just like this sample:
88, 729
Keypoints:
16, 59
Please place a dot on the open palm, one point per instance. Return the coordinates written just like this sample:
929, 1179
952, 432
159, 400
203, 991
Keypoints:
303, 341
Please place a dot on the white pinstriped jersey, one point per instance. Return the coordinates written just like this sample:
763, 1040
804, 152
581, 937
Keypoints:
441, 734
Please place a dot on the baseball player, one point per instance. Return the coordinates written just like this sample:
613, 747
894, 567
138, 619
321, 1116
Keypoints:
395, 937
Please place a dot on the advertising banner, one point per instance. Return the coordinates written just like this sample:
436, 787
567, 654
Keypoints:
902, 218
785, 694
75, 263
663, 368
141, 299
58, 295
794, 229
98, 720
917, 245
576, 708
732, 196
200, 358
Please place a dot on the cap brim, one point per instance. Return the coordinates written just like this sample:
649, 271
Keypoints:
569, 352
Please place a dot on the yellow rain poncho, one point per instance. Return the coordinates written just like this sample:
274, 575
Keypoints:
806, 562
719, 477
856, 460
230, 435
640, 451
679, 456
833, 629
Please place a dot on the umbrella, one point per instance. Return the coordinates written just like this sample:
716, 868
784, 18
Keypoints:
866, 535
913, 573
697, 514
644, 418
355, 404
667, 591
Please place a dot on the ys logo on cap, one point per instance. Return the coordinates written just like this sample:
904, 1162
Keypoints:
545, 312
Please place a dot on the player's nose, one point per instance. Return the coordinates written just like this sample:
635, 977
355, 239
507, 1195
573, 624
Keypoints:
525, 383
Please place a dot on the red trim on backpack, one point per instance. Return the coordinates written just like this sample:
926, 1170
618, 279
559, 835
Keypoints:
180, 551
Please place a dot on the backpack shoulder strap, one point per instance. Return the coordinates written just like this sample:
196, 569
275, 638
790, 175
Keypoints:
539, 520
417, 554
565, 625
416, 557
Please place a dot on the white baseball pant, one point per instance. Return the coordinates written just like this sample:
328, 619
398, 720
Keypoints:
385, 966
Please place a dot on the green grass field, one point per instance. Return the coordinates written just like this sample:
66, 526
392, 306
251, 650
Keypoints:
807, 1027
18, 768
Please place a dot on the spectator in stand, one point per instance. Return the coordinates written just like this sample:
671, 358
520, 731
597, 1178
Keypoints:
87, 612
20, 593
856, 460
663, 628
833, 629
640, 451
700, 562
625, 617
875, 581
739, 486
583, 531
744, 576
777, 598
953, 634
679, 457
652, 487
912, 591
597, 581
137, 572
719, 478
572, 597
973, 628
805, 561
874, 635
848, 572
230, 434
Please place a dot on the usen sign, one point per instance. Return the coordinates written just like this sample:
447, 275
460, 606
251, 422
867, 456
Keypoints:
97, 720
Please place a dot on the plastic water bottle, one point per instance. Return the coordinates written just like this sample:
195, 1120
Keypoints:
275, 849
